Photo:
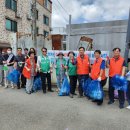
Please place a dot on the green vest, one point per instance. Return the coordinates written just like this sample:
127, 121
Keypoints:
58, 66
72, 69
45, 64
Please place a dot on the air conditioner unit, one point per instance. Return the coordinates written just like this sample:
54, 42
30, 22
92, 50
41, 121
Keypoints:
29, 16
18, 15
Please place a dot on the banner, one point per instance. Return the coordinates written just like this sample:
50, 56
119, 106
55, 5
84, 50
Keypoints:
52, 54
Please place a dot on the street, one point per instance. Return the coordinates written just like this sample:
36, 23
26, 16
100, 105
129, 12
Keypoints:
19, 111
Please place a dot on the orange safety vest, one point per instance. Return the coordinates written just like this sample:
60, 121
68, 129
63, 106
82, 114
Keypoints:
95, 71
116, 66
26, 73
83, 65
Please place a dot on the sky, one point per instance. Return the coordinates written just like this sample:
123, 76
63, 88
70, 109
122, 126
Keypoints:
85, 11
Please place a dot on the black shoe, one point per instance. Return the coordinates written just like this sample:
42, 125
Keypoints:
18, 87
50, 91
110, 102
75, 94
44, 91
121, 106
94, 100
28, 92
99, 103
80, 96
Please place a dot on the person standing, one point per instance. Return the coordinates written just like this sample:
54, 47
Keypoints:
29, 72
72, 72
83, 68
116, 65
45, 68
26, 53
1, 69
98, 71
19, 64
60, 69
8, 63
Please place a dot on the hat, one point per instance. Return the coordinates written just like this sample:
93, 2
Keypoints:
71, 52
60, 53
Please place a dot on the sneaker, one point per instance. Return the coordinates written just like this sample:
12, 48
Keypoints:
13, 87
121, 106
71, 95
50, 91
80, 96
128, 107
0, 85
5, 87
110, 102
28, 92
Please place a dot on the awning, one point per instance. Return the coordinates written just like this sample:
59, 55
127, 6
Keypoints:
4, 44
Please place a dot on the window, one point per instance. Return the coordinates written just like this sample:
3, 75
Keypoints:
11, 25
46, 3
46, 33
37, 14
37, 30
46, 20
11, 4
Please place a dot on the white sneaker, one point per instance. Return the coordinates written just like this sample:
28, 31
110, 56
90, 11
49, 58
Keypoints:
128, 107
6, 87
13, 87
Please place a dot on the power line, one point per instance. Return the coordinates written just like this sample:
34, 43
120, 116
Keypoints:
56, 9
63, 7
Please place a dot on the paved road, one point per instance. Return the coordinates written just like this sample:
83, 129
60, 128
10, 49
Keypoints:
19, 111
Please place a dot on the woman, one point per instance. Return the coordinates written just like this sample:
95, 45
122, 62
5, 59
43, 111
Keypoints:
72, 72
29, 71
60, 69
33, 50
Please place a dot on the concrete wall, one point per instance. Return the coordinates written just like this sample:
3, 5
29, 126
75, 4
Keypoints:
106, 35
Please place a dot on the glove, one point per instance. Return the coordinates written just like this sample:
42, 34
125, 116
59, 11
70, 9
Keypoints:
99, 79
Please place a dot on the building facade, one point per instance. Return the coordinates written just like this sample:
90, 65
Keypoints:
105, 35
59, 38
16, 20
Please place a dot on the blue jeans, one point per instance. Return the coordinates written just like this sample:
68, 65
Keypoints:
82, 79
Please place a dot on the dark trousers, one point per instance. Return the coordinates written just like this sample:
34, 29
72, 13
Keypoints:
128, 93
21, 82
45, 76
111, 93
73, 83
82, 79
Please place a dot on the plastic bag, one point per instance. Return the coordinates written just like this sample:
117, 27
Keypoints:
119, 83
85, 87
37, 85
14, 76
95, 90
65, 88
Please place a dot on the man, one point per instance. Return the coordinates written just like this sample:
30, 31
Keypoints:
19, 64
8, 66
116, 66
98, 71
83, 67
26, 53
1, 69
45, 68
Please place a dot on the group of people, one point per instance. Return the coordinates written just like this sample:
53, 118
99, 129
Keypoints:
77, 68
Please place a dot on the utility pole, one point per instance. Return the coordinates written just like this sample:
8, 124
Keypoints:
34, 26
127, 46
69, 32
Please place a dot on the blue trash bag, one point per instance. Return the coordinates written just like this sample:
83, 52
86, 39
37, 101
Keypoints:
37, 84
65, 88
14, 76
119, 83
85, 87
95, 90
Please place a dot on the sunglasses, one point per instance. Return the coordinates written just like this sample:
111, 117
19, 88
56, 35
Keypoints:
43, 51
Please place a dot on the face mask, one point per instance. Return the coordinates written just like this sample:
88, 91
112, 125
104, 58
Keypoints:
8, 52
